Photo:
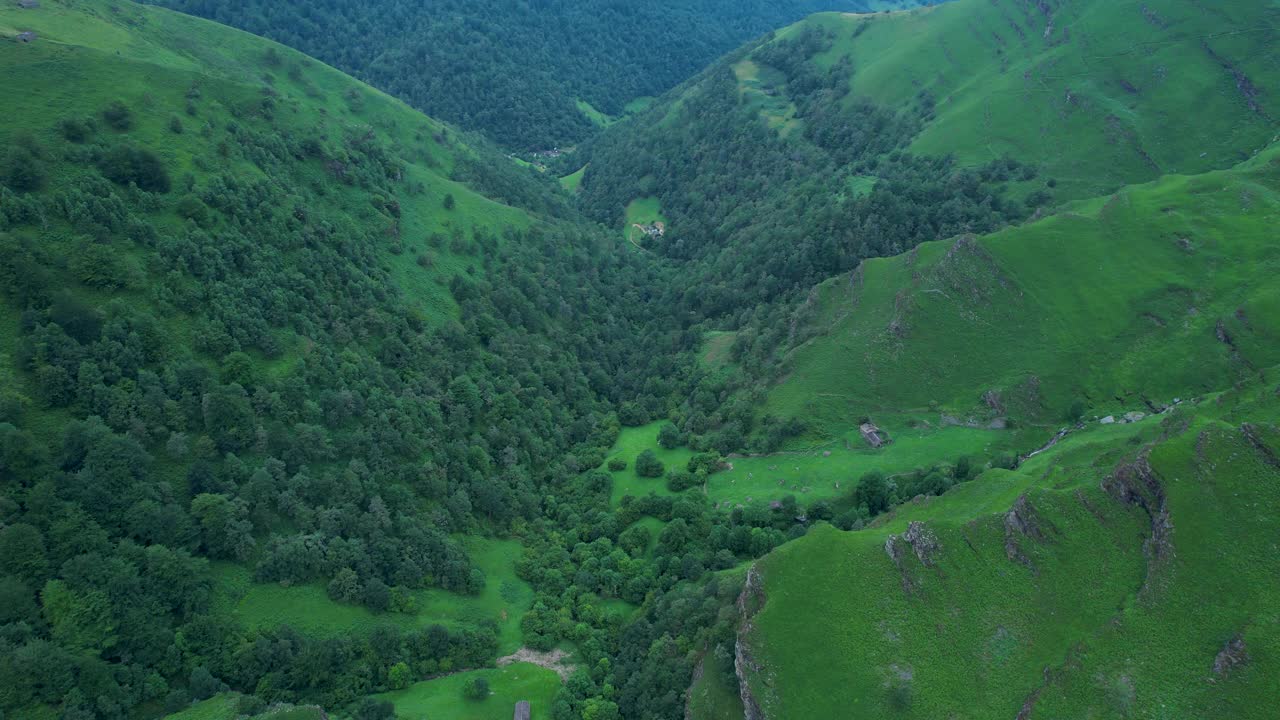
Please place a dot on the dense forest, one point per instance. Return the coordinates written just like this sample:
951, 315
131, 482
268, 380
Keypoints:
516, 70
757, 218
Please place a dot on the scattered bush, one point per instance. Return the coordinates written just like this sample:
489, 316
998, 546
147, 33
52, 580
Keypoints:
678, 481
23, 171
475, 688
118, 115
648, 465
617, 464
76, 130
669, 437
127, 164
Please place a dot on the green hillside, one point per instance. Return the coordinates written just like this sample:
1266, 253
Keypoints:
1094, 94
846, 137
1124, 573
1092, 579
1160, 291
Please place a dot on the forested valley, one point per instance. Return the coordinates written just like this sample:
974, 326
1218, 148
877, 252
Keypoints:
685, 359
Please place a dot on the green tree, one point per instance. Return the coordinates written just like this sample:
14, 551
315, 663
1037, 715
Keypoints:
648, 465
476, 687
873, 492
80, 620
669, 437
399, 676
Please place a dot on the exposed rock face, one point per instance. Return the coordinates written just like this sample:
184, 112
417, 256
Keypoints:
750, 600
1020, 522
1135, 483
1232, 655
921, 541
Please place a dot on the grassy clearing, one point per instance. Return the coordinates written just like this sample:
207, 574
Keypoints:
223, 706
631, 442
642, 211
714, 695
822, 472
764, 88
308, 609
573, 181
442, 698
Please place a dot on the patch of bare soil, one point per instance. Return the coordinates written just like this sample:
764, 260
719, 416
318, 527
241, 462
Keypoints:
557, 660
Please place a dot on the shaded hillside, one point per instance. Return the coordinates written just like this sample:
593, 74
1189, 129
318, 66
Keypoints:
530, 75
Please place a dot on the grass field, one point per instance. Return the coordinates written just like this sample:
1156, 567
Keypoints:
308, 609
822, 472
442, 699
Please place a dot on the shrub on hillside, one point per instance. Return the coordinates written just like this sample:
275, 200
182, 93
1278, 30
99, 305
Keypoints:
125, 164
118, 115
617, 464
678, 481
22, 170
475, 688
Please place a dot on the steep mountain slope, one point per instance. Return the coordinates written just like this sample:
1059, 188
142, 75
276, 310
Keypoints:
1120, 303
254, 312
1124, 570
530, 75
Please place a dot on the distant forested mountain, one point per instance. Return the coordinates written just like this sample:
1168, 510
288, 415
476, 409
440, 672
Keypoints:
517, 69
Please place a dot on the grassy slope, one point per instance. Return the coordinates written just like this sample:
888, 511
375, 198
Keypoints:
308, 609
1163, 290
1090, 626
442, 699
1116, 303
90, 53
1097, 93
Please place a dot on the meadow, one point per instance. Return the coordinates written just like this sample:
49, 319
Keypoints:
442, 698
307, 608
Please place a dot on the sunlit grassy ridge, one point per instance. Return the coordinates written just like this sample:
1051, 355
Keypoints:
1096, 93
1161, 291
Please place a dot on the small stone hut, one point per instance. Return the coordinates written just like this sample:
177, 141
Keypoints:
522, 711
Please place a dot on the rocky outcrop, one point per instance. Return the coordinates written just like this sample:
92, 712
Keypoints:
921, 542
1232, 655
1135, 483
750, 600
1022, 523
